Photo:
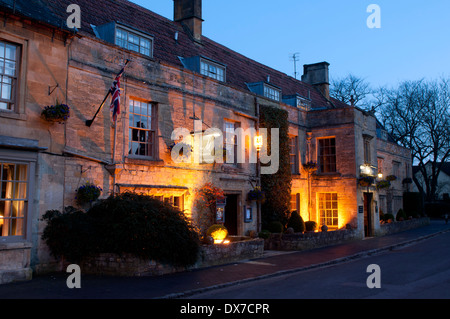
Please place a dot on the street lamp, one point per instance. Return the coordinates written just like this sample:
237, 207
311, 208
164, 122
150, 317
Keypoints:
258, 142
258, 145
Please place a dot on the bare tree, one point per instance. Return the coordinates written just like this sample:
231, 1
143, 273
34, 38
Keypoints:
417, 116
351, 87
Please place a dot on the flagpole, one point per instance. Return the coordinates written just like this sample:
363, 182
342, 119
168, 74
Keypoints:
89, 122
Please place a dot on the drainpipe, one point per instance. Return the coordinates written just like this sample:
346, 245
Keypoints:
258, 171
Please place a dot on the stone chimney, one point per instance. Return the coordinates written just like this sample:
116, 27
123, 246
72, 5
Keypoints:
189, 14
317, 75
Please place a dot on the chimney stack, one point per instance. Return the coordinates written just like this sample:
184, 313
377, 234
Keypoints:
317, 75
189, 14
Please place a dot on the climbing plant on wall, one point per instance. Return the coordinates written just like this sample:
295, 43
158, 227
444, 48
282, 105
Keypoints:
276, 187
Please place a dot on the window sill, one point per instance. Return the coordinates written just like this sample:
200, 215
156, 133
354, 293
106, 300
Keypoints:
146, 161
13, 115
14, 244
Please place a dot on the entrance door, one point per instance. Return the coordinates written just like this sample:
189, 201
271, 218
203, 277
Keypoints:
231, 214
368, 228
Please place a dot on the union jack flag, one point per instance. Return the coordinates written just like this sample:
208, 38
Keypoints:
115, 93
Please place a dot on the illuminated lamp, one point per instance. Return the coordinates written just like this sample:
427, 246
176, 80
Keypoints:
258, 142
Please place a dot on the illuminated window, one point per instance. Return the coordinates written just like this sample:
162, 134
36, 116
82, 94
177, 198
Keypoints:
8, 74
295, 202
293, 154
133, 41
328, 209
212, 70
327, 155
142, 129
13, 199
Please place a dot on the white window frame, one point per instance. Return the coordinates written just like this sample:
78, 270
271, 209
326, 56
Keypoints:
148, 142
272, 93
212, 70
128, 44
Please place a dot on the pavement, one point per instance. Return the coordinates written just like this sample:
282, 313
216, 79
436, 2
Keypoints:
185, 284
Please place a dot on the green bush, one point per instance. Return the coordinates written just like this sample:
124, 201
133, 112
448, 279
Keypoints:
68, 234
275, 227
217, 228
400, 215
310, 225
125, 223
412, 204
296, 222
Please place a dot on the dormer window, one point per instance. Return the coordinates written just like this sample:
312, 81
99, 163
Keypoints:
271, 93
212, 70
134, 41
125, 37
205, 67
265, 89
298, 101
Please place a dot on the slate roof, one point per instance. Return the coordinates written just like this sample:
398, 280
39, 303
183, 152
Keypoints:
240, 69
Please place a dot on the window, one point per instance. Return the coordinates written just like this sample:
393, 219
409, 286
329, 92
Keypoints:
271, 93
396, 169
142, 129
367, 159
230, 142
134, 41
293, 154
13, 198
212, 70
295, 203
8, 74
328, 209
327, 155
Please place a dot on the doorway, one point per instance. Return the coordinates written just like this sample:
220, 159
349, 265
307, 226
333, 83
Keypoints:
368, 225
231, 214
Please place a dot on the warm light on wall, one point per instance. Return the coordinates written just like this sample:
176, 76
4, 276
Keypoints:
219, 235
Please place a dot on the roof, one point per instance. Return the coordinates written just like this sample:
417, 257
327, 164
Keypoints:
445, 168
240, 69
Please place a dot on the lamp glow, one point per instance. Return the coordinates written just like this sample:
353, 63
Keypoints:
258, 142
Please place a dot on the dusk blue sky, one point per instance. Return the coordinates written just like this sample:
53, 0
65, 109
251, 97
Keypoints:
412, 43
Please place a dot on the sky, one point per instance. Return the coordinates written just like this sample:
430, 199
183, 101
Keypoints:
413, 41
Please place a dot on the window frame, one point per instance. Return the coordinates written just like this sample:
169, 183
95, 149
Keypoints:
321, 157
22, 158
210, 64
18, 111
234, 144
323, 211
150, 149
276, 96
293, 155
136, 33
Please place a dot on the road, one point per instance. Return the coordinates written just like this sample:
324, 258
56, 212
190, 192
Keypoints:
419, 271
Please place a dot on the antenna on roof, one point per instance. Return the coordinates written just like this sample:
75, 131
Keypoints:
294, 57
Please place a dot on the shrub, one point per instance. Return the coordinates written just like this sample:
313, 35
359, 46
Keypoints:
412, 203
125, 223
145, 227
265, 234
275, 227
296, 222
68, 234
310, 225
400, 215
386, 217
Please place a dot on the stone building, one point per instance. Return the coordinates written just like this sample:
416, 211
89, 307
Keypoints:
176, 78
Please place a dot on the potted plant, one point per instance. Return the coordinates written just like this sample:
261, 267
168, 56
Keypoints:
88, 193
391, 178
407, 180
58, 113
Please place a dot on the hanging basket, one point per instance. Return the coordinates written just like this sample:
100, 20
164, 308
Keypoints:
58, 113
365, 181
310, 167
255, 194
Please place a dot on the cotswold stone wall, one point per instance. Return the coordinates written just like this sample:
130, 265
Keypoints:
396, 227
210, 255
305, 241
